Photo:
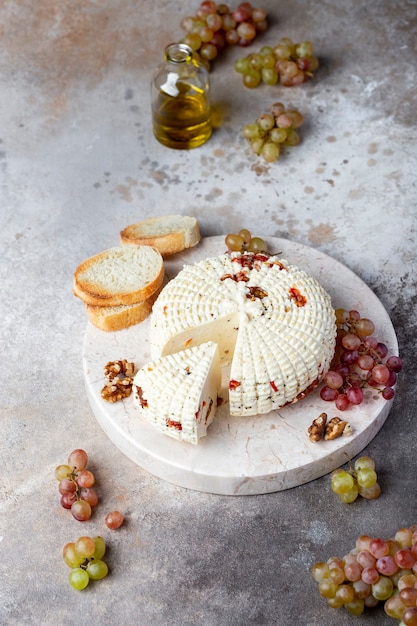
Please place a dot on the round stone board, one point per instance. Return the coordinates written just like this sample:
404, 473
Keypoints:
241, 455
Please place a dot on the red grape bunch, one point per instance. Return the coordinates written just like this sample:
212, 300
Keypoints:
375, 570
361, 361
215, 26
75, 484
272, 131
288, 64
85, 558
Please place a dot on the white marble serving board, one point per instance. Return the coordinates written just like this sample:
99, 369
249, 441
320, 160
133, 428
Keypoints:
241, 456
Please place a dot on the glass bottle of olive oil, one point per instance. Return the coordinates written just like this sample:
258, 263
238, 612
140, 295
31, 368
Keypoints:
180, 100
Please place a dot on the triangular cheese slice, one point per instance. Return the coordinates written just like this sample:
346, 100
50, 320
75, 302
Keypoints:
178, 393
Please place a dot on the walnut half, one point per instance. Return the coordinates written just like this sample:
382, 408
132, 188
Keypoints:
317, 429
336, 428
119, 368
119, 383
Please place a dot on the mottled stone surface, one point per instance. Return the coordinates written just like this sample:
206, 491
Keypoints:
78, 162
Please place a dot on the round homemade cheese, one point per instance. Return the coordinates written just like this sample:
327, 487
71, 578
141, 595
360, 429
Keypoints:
273, 322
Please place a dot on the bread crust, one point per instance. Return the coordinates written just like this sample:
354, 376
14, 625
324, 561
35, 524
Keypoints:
114, 318
167, 233
100, 280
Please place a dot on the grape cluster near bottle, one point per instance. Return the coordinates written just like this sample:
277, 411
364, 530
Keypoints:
375, 570
76, 485
85, 558
214, 27
288, 64
361, 362
272, 131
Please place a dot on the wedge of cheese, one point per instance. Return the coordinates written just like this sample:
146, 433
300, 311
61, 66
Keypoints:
178, 393
273, 322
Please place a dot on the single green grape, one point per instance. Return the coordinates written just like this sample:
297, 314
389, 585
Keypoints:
242, 65
62, 471
383, 588
269, 76
78, 578
251, 131
366, 477
100, 550
278, 135
320, 570
255, 61
270, 151
234, 242
268, 61
362, 462
252, 78
304, 49
97, 569
71, 556
349, 496
356, 607
257, 145
257, 244
327, 588
335, 603
293, 138
246, 234
342, 482
266, 51
266, 121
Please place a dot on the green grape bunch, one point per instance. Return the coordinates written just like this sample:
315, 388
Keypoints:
272, 131
361, 480
288, 64
85, 558
243, 241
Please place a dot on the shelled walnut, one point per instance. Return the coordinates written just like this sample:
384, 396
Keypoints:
119, 368
321, 429
317, 429
119, 383
335, 428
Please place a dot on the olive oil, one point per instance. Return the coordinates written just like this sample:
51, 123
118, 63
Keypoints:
180, 105
182, 121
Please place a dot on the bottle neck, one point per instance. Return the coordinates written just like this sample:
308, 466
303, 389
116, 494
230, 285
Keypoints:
178, 53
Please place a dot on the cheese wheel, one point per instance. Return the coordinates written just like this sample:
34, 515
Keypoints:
273, 322
178, 393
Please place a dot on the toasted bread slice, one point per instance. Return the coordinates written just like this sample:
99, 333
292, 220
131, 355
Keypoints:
112, 318
168, 233
119, 275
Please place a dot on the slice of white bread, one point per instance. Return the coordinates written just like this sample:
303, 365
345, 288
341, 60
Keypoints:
119, 275
112, 318
168, 233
